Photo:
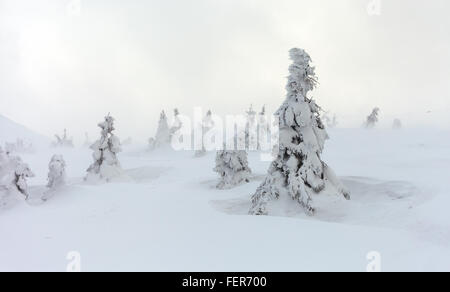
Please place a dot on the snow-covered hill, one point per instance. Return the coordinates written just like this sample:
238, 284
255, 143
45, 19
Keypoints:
10, 131
170, 217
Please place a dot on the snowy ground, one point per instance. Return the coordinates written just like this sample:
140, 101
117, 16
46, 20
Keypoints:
169, 217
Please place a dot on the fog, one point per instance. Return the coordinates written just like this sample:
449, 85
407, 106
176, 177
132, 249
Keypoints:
64, 65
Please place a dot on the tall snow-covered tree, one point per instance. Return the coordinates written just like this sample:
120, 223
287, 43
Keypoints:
106, 165
372, 119
56, 172
162, 137
207, 125
298, 171
232, 167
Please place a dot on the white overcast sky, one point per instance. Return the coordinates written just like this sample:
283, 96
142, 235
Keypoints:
60, 68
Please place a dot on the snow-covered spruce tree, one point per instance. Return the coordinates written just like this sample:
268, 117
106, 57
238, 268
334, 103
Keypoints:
162, 137
5, 177
298, 172
3, 159
3, 172
63, 141
397, 124
21, 173
334, 122
10, 147
262, 120
263, 128
372, 119
87, 141
3, 164
331, 121
106, 166
13, 176
127, 142
251, 130
19, 147
56, 172
232, 167
176, 127
177, 124
207, 125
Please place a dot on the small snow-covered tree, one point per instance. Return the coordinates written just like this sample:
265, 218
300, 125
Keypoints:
251, 130
176, 127
10, 147
3, 172
372, 119
177, 124
19, 147
207, 125
22, 173
13, 176
3, 158
162, 137
331, 121
298, 171
232, 167
397, 124
106, 165
4, 161
4, 164
87, 141
63, 141
56, 172
128, 141
263, 128
263, 111
4, 177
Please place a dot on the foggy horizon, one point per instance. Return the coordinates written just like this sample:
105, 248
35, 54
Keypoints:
67, 66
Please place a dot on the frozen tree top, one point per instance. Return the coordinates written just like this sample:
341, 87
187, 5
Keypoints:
107, 126
251, 111
302, 76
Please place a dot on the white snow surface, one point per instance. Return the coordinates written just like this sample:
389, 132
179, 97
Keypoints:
170, 216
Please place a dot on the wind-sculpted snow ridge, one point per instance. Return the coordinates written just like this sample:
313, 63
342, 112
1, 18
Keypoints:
374, 202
